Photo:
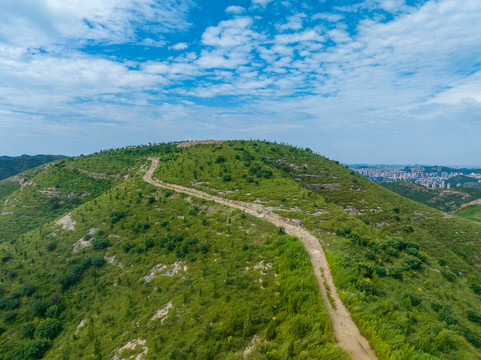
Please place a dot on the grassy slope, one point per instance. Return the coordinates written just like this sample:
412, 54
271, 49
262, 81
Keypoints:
10, 166
219, 303
406, 271
441, 199
471, 212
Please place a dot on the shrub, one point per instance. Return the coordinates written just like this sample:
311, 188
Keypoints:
447, 317
10, 303
380, 271
227, 178
10, 317
436, 306
474, 316
39, 308
28, 289
476, 288
98, 261
51, 246
69, 279
28, 330
448, 275
36, 349
415, 300
48, 329
412, 262
100, 244
396, 272
149, 243
116, 216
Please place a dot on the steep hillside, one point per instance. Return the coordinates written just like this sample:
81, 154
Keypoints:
123, 268
442, 199
10, 166
406, 272
136, 271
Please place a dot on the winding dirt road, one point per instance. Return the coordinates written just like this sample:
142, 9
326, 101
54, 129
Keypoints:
345, 331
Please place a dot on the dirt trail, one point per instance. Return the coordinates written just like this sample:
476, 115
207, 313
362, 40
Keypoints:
345, 331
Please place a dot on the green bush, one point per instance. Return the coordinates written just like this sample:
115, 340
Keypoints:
36, 349
48, 329
448, 275
98, 261
51, 246
100, 244
28, 330
474, 316
40, 307
28, 289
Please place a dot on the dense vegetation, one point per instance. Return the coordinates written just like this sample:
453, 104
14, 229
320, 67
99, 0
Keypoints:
407, 272
139, 271
441, 199
150, 264
10, 166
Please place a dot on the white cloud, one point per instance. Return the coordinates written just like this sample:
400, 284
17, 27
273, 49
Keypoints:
50, 23
229, 33
180, 46
327, 16
294, 22
234, 10
262, 3
307, 35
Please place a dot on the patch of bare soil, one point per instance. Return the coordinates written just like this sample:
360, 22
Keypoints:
344, 328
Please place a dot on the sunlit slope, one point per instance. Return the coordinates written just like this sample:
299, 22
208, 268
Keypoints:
137, 271
39, 195
409, 273
471, 212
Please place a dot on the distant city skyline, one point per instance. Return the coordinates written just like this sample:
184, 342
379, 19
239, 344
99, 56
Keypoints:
361, 81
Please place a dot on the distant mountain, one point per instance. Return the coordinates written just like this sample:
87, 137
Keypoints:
10, 166
441, 199
464, 182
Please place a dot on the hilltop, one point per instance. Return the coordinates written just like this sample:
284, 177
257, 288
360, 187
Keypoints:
98, 263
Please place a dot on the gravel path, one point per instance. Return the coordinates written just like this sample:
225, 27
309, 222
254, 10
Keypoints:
344, 328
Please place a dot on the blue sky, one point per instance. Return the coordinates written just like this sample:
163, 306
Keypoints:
371, 81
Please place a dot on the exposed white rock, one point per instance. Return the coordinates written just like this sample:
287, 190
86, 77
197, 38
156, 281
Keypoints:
67, 223
132, 345
165, 270
162, 313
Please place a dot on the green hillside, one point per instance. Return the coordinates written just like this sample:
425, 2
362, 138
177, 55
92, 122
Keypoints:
133, 270
471, 212
10, 166
98, 264
442, 199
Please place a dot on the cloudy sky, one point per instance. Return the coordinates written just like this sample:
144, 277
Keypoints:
368, 81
